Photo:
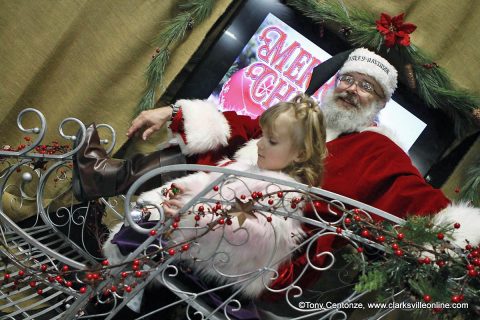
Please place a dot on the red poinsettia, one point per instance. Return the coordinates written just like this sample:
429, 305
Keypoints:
395, 30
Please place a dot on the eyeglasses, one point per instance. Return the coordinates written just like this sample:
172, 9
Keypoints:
346, 81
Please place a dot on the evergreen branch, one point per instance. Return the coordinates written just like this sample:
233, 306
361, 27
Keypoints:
471, 189
195, 12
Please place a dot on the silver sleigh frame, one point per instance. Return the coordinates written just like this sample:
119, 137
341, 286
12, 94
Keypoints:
52, 276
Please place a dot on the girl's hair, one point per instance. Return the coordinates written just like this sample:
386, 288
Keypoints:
309, 136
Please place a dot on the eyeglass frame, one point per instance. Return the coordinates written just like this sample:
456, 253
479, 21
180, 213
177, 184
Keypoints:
358, 83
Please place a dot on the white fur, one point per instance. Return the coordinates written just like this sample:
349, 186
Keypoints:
469, 219
205, 127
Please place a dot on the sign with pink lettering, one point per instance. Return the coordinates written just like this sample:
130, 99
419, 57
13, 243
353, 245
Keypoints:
275, 65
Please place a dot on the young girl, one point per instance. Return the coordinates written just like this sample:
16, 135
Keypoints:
292, 148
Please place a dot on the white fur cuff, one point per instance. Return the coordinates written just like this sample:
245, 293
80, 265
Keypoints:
469, 219
205, 127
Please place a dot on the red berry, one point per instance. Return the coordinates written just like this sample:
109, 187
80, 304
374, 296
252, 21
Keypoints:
427, 260
381, 238
359, 249
43, 267
82, 290
339, 230
105, 263
21, 273
33, 284
455, 299
138, 274
124, 274
95, 276
348, 220
135, 267
356, 218
475, 253
243, 197
280, 194
293, 205
440, 263
470, 267
476, 261
65, 268
197, 217
472, 273
221, 221
427, 298
365, 233
468, 247
185, 247
228, 221
113, 289
270, 201
440, 236
6, 277
395, 246
400, 236
456, 225
128, 289
68, 284
269, 219
215, 188
171, 252
174, 226
136, 262
398, 253
39, 291
50, 279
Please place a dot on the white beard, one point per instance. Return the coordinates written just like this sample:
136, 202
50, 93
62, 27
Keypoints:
346, 120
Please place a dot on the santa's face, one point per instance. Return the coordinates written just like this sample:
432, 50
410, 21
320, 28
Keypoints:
350, 108
360, 91
276, 149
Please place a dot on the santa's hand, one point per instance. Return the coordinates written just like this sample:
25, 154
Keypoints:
149, 121
171, 207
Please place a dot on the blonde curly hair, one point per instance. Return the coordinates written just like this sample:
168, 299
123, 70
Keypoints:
309, 137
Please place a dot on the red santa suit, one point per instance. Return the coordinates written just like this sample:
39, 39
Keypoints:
366, 166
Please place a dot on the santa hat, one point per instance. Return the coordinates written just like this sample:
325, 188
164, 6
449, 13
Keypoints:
366, 62
360, 60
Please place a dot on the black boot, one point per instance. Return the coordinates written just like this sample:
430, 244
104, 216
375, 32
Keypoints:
97, 175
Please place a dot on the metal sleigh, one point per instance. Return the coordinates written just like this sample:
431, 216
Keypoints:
49, 270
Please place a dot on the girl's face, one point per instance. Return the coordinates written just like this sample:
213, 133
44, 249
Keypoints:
275, 149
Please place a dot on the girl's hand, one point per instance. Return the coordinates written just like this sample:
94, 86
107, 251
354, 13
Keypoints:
171, 207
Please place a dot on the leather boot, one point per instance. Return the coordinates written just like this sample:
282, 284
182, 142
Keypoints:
97, 175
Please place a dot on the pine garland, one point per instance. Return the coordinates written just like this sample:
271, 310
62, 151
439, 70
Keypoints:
194, 12
420, 262
471, 189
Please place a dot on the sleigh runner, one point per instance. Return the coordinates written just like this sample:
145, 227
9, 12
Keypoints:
52, 268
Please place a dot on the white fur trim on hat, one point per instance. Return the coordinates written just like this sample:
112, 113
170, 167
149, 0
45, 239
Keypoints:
369, 63
205, 127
